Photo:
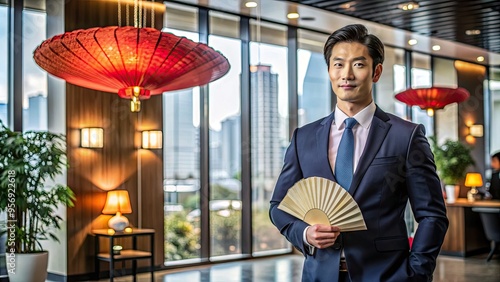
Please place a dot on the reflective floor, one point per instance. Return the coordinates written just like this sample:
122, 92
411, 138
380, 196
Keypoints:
288, 269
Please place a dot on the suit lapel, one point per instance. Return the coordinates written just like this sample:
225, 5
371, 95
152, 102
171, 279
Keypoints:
376, 136
322, 138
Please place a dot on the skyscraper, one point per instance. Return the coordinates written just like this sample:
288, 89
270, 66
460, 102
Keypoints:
3, 113
267, 157
181, 148
231, 140
35, 116
316, 93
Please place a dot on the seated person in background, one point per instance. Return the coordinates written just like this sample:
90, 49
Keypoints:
495, 178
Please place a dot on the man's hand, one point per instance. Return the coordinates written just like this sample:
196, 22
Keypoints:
322, 236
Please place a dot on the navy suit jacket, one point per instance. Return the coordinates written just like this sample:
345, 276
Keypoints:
396, 165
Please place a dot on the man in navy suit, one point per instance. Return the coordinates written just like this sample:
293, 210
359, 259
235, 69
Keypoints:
392, 164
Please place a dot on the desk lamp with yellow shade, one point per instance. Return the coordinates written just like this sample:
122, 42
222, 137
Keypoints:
118, 203
473, 180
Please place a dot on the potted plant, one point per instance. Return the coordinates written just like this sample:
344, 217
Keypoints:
452, 160
29, 162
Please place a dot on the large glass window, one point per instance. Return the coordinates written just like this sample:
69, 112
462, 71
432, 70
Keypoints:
181, 122
421, 77
4, 90
495, 110
269, 127
34, 78
225, 141
313, 82
392, 81
446, 120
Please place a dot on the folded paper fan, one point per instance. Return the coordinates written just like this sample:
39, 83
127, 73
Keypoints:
317, 200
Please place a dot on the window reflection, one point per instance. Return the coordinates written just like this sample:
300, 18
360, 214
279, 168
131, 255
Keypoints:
420, 78
225, 149
447, 118
269, 131
181, 120
3, 67
495, 109
34, 78
314, 88
392, 81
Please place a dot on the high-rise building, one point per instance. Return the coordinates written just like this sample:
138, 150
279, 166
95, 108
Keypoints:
3, 113
267, 157
180, 136
35, 116
216, 147
231, 145
316, 86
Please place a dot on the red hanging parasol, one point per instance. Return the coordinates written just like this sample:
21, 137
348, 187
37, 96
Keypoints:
433, 98
133, 62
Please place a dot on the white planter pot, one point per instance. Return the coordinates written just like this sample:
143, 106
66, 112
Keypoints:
27, 267
451, 193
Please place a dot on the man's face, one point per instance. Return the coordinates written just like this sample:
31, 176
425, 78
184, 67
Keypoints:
495, 164
351, 73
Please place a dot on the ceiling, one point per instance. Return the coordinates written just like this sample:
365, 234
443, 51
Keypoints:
435, 22
448, 20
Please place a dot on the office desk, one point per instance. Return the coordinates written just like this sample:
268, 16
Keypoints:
465, 236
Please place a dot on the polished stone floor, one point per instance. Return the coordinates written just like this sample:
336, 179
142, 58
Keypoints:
288, 269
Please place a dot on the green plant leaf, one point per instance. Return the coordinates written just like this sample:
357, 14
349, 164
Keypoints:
28, 162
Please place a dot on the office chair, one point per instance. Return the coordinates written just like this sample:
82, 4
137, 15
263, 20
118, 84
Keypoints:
491, 224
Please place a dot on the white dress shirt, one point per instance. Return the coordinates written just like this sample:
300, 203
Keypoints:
360, 132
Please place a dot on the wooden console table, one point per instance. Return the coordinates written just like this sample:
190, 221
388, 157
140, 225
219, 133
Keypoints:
465, 236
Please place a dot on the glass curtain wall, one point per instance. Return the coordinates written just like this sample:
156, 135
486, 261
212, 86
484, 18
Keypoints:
269, 127
4, 100
495, 110
4, 90
392, 81
181, 145
421, 76
314, 89
34, 77
225, 140
446, 120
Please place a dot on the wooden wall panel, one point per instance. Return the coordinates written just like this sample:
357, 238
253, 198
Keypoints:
92, 172
152, 177
471, 77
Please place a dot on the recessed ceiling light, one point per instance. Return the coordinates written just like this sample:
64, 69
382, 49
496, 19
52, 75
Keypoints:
472, 32
480, 59
412, 41
348, 6
436, 47
293, 15
412, 5
251, 4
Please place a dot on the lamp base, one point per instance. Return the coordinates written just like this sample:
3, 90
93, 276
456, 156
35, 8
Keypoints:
118, 222
473, 194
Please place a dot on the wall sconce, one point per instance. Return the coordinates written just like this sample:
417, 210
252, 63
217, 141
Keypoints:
91, 137
152, 139
476, 130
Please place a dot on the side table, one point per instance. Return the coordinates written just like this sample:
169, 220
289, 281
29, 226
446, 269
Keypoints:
133, 254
